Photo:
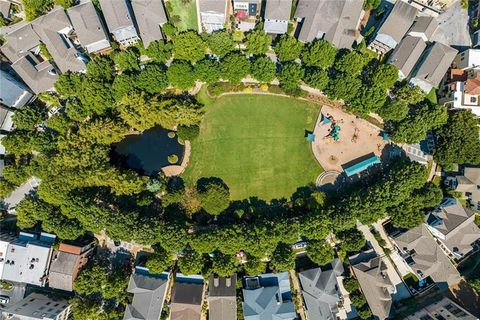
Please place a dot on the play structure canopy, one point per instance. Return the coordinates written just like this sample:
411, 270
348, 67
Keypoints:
361, 166
310, 137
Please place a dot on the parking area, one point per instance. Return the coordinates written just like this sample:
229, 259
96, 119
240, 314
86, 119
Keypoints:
16, 294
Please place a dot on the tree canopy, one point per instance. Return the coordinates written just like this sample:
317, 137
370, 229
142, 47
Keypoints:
214, 195
319, 53
288, 48
263, 69
257, 42
189, 46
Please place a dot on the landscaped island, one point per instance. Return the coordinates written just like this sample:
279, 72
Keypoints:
257, 145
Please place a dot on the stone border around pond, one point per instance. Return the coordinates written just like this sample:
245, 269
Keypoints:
176, 170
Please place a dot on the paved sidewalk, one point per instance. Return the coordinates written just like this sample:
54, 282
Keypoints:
402, 291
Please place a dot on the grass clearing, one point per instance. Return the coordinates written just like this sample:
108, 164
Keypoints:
256, 144
187, 14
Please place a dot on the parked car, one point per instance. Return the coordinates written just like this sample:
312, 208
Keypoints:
4, 299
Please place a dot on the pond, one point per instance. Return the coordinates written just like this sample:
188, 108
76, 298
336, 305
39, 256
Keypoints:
148, 152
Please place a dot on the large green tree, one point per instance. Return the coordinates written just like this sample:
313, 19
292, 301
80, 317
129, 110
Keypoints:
319, 53
288, 48
283, 258
351, 63
152, 79
224, 265
257, 42
159, 261
352, 240
159, 51
214, 196
234, 67
220, 43
29, 117
127, 60
207, 70
290, 75
384, 75
188, 46
394, 110
316, 78
181, 74
320, 252
191, 262
458, 140
263, 69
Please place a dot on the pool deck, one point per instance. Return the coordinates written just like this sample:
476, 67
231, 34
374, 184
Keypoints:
333, 154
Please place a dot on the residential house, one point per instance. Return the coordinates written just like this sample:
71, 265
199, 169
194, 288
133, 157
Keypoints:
6, 122
424, 27
15, 93
425, 259
150, 16
89, 28
461, 89
27, 259
187, 297
149, 291
38, 306
246, 12
212, 15
468, 184
433, 66
334, 21
371, 273
443, 309
119, 21
54, 30
67, 262
22, 48
222, 298
5, 9
409, 51
406, 55
5, 240
320, 290
432, 7
268, 296
277, 16
454, 226
394, 27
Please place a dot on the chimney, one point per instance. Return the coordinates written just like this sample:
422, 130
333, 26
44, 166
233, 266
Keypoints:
228, 282
215, 282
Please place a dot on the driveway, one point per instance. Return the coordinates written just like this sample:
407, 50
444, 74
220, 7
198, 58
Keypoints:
402, 291
453, 27
15, 295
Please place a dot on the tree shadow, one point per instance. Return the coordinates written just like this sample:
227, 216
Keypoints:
204, 183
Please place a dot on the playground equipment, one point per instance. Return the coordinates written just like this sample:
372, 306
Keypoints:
355, 135
335, 132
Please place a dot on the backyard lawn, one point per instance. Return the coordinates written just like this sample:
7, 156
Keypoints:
186, 12
256, 144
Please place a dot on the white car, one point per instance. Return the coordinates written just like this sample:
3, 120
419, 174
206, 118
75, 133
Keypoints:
4, 299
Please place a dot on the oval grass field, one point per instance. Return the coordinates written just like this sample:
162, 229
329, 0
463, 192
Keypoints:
256, 144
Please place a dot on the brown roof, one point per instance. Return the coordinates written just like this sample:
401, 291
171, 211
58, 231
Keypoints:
458, 75
69, 248
472, 85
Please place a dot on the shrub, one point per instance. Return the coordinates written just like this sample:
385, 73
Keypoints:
188, 132
358, 299
351, 284
172, 159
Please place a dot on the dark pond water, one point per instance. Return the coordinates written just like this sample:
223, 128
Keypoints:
148, 152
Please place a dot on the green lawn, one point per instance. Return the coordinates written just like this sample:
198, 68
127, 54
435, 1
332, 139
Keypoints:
256, 144
187, 14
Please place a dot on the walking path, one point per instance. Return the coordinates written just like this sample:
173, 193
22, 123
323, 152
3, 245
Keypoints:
402, 291
176, 170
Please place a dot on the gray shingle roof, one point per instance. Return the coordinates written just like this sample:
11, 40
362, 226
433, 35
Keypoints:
52, 29
278, 9
320, 291
88, 27
338, 20
5, 8
222, 300
186, 300
149, 296
14, 93
406, 55
427, 257
118, 18
375, 285
271, 300
424, 25
37, 306
39, 76
62, 270
19, 42
397, 24
435, 64
149, 15
451, 216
